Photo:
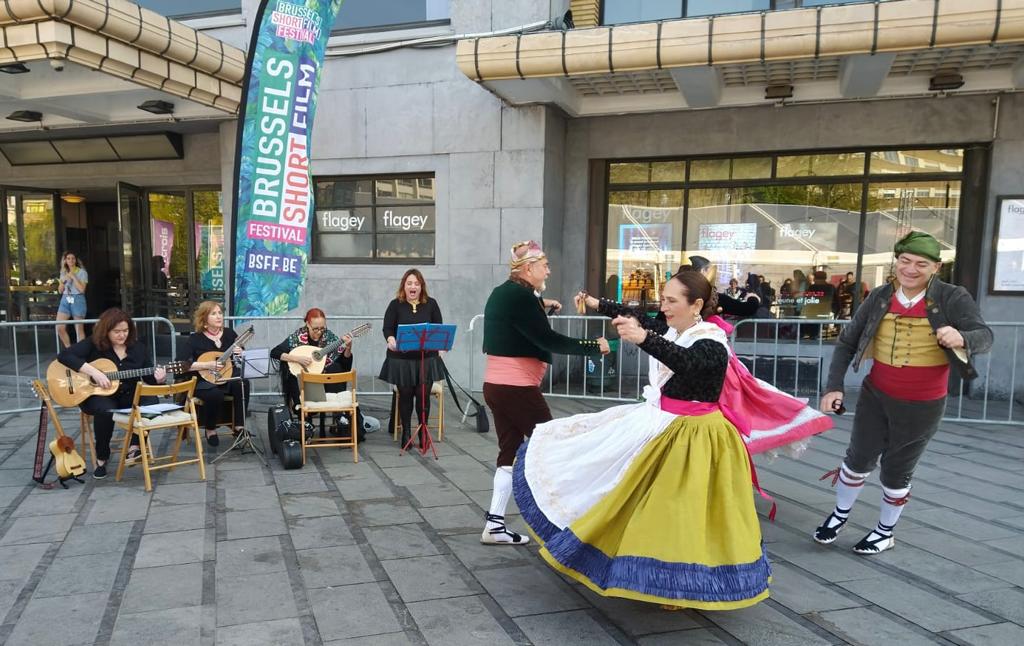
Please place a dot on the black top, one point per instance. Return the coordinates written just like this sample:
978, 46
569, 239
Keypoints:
400, 313
82, 352
198, 343
699, 370
301, 337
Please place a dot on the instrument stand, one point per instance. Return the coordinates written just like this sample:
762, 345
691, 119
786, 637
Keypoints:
50, 485
244, 441
424, 337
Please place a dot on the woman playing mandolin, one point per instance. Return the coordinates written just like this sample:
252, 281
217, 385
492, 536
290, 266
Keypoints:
115, 338
211, 336
314, 334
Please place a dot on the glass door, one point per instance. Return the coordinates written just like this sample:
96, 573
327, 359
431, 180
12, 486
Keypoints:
30, 255
129, 209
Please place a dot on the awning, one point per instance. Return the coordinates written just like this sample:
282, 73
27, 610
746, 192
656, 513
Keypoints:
126, 41
858, 50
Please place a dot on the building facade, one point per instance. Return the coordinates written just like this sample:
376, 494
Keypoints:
780, 139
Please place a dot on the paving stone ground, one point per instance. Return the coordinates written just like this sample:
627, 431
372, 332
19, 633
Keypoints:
386, 551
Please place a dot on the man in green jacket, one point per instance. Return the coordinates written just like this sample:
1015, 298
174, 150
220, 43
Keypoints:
917, 328
519, 344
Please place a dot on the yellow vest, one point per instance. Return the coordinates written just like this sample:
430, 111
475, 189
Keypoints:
907, 341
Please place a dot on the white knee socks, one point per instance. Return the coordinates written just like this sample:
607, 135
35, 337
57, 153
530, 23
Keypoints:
893, 501
848, 487
502, 492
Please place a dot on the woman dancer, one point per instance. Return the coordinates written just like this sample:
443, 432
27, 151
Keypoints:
652, 501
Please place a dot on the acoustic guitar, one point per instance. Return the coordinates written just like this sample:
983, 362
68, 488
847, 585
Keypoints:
227, 367
319, 355
70, 387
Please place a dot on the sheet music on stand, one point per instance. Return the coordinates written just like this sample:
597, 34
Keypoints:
422, 338
256, 363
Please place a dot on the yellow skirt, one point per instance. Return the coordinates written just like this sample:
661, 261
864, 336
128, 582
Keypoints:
679, 529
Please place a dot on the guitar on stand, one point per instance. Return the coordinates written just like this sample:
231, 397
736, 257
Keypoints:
69, 464
70, 388
224, 359
318, 356
424, 337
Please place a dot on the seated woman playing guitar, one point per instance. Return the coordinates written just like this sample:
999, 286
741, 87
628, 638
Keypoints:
115, 338
212, 336
314, 334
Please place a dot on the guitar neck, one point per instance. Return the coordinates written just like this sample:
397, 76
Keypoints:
130, 374
242, 339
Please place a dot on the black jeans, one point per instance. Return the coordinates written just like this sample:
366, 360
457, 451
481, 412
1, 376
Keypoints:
101, 409
406, 395
213, 396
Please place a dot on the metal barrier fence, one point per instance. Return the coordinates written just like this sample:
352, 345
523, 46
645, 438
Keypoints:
367, 356
28, 348
794, 355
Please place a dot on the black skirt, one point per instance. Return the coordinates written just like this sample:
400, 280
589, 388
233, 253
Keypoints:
406, 373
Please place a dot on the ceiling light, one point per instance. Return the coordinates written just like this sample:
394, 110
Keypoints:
14, 68
778, 92
28, 116
941, 82
157, 107
73, 198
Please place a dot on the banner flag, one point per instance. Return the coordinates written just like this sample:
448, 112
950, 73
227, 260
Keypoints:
273, 204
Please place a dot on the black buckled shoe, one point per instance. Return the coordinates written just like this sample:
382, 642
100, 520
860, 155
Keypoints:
874, 543
827, 533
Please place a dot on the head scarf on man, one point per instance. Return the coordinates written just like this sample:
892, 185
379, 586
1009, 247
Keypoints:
524, 253
919, 243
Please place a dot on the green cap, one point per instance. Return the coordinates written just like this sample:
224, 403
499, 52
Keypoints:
919, 243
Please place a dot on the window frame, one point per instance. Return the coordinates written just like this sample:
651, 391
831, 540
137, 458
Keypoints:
393, 26
318, 259
773, 5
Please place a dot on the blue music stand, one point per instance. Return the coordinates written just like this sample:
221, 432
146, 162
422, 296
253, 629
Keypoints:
424, 337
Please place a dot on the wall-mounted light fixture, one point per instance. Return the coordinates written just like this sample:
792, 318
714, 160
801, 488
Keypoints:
778, 92
27, 116
14, 68
157, 107
945, 82
73, 198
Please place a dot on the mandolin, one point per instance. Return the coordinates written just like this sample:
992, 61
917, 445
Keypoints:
319, 355
70, 387
227, 368
68, 462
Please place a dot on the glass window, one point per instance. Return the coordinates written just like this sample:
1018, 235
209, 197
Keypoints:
709, 7
616, 12
787, 234
169, 269
629, 173
644, 240
702, 170
380, 218
917, 161
363, 15
209, 241
895, 209
173, 8
820, 165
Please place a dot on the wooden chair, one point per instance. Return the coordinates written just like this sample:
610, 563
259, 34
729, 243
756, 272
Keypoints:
178, 420
343, 402
88, 438
435, 419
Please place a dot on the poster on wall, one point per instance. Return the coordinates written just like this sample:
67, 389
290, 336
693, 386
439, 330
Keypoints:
1008, 261
273, 204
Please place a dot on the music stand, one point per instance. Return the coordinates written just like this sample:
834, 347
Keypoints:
424, 337
255, 364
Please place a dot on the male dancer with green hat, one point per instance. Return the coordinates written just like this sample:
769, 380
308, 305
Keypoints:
917, 327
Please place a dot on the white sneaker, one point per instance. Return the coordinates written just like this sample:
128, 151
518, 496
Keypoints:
495, 533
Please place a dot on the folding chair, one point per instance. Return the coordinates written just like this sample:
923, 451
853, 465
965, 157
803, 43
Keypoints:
434, 420
343, 402
136, 424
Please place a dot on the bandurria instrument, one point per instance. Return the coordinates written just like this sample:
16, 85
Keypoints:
70, 387
319, 355
69, 463
227, 368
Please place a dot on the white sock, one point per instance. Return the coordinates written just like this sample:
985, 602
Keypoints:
893, 501
848, 487
502, 492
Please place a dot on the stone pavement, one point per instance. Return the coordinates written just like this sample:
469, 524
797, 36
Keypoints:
386, 552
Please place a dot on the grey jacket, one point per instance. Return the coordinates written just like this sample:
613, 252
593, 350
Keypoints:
947, 305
